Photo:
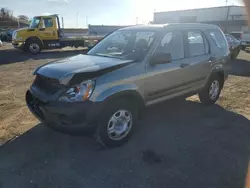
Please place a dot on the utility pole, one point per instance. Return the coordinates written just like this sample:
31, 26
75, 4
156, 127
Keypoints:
62, 23
18, 22
77, 19
87, 21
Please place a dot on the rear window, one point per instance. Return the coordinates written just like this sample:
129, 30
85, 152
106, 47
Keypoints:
218, 39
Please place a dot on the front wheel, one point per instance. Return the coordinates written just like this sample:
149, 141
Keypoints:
33, 46
117, 123
210, 94
243, 48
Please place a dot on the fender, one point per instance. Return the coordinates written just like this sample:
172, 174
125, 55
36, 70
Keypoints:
116, 91
35, 38
221, 69
218, 68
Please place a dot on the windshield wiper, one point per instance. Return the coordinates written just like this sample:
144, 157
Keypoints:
106, 55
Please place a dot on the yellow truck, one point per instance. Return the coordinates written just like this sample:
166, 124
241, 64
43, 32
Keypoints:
45, 32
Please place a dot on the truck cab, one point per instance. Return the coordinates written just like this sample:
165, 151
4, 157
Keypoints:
45, 32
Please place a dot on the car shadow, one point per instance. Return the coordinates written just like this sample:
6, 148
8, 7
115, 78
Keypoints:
178, 143
240, 67
9, 56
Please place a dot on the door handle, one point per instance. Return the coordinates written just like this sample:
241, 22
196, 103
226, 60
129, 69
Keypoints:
42, 29
184, 65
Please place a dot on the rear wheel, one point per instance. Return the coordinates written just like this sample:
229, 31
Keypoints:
117, 123
33, 46
211, 92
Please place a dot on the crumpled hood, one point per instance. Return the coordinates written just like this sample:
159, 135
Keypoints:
64, 69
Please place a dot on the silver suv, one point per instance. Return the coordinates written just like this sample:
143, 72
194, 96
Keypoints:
106, 90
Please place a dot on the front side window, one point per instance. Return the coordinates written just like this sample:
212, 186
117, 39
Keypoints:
196, 43
35, 22
172, 42
47, 22
125, 44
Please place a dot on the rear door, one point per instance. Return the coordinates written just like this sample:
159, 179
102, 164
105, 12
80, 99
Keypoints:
171, 78
198, 55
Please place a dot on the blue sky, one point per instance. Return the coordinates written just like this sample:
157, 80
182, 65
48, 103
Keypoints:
107, 12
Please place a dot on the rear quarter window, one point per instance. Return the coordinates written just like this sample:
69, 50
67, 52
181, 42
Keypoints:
219, 40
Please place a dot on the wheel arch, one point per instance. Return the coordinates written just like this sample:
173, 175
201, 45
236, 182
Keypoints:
127, 93
34, 38
219, 70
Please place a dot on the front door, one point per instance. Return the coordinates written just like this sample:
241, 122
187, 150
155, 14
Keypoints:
171, 78
47, 29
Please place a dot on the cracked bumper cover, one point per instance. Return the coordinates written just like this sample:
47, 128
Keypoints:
67, 116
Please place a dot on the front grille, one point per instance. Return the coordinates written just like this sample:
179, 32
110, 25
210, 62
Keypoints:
46, 84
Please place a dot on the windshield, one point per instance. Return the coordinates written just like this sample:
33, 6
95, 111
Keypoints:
125, 44
35, 22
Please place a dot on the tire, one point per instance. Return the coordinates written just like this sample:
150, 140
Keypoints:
118, 110
207, 96
33, 46
233, 56
243, 48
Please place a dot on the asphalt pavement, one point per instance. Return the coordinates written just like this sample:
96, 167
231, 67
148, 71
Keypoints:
177, 144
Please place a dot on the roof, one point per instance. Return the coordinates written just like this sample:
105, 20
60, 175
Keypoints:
157, 27
47, 15
199, 9
144, 27
103, 29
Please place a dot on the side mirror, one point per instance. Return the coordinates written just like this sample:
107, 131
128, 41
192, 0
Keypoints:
161, 58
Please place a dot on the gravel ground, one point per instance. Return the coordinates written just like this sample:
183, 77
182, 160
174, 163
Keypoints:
179, 143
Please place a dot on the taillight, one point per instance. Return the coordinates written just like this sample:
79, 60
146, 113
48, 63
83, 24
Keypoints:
240, 36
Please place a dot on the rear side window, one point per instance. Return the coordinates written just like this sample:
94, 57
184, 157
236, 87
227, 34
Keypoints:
196, 43
218, 39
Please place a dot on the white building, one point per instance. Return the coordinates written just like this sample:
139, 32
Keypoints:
229, 18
